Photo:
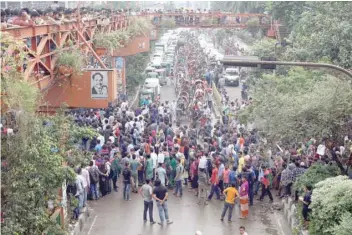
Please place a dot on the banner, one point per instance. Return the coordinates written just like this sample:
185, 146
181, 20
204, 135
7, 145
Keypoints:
120, 77
99, 85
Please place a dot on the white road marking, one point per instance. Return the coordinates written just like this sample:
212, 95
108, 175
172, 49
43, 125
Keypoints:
90, 229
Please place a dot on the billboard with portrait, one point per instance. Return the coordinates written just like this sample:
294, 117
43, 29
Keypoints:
99, 85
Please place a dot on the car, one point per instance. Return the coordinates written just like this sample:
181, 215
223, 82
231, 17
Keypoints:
232, 76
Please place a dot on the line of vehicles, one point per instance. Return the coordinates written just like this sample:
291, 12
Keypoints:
161, 66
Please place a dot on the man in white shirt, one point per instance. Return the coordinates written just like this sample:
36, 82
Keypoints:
161, 157
112, 138
154, 157
102, 139
202, 162
81, 192
230, 149
124, 106
86, 184
161, 109
130, 113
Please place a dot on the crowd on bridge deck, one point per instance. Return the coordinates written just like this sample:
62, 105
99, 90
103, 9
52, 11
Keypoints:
57, 15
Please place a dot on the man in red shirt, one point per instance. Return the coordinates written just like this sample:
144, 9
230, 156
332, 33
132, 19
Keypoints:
266, 187
214, 180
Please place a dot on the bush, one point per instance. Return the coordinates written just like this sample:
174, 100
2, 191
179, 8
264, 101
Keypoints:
315, 174
71, 58
331, 207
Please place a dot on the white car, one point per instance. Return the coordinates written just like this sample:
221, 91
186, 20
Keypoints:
232, 76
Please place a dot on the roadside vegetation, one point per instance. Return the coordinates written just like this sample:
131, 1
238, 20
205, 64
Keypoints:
39, 157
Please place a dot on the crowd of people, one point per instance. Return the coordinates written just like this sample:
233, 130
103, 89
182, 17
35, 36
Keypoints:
146, 149
57, 15
155, 155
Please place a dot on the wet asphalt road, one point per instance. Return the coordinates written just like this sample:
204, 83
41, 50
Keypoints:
112, 215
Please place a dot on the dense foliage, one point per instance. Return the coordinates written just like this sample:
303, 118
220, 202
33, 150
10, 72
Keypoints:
315, 174
135, 66
302, 104
33, 159
332, 207
239, 6
320, 30
72, 58
324, 33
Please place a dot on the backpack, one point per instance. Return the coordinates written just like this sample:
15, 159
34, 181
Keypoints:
126, 174
71, 189
93, 175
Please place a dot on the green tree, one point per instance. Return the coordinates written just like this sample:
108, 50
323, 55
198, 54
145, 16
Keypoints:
315, 174
266, 48
302, 104
135, 66
324, 32
239, 7
289, 12
34, 159
331, 207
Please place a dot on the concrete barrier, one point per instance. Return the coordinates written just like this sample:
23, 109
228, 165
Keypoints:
290, 214
217, 102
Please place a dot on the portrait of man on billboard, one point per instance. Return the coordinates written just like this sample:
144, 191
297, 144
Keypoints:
99, 85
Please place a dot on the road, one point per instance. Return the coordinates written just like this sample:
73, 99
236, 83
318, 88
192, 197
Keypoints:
233, 92
112, 215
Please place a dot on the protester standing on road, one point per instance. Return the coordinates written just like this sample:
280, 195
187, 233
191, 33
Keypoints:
149, 168
127, 178
147, 193
214, 184
135, 164
266, 187
160, 195
244, 191
178, 178
231, 194
161, 174
86, 183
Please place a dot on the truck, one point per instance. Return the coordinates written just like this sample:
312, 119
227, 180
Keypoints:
232, 76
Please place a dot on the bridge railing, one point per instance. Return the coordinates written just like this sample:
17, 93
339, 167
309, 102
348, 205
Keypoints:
42, 42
